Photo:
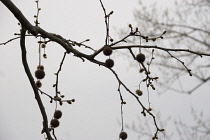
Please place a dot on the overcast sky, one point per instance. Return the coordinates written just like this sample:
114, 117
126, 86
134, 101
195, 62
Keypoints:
96, 112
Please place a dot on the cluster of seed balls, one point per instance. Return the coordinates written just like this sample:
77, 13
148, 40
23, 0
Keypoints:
108, 51
54, 122
39, 74
110, 63
58, 114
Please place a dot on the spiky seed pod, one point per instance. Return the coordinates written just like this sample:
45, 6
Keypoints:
54, 123
107, 50
139, 92
140, 57
45, 55
43, 45
40, 67
109, 63
38, 84
57, 114
39, 74
123, 135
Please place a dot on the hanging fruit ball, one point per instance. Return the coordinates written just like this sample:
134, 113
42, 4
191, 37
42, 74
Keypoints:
139, 92
57, 114
45, 55
123, 135
39, 74
38, 84
140, 57
107, 50
43, 45
54, 123
109, 63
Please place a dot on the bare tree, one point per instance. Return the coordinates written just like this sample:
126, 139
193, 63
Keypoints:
71, 47
187, 26
177, 129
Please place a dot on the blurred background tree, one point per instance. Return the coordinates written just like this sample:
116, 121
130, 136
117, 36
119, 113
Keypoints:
175, 128
187, 26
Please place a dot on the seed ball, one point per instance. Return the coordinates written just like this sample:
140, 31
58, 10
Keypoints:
54, 123
45, 55
39, 74
123, 135
139, 92
57, 114
140, 57
38, 84
43, 45
109, 63
107, 50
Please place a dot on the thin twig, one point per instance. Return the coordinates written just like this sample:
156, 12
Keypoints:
143, 107
106, 22
57, 74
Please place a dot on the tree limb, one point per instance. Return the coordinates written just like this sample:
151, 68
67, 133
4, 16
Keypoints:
31, 79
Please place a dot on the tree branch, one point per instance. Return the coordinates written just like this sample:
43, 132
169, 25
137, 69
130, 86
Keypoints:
183, 26
161, 48
32, 82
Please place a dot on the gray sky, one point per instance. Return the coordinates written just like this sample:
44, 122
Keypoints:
96, 112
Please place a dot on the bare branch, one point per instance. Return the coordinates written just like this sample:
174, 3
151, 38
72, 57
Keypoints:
35, 89
9, 41
161, 48
182, 26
